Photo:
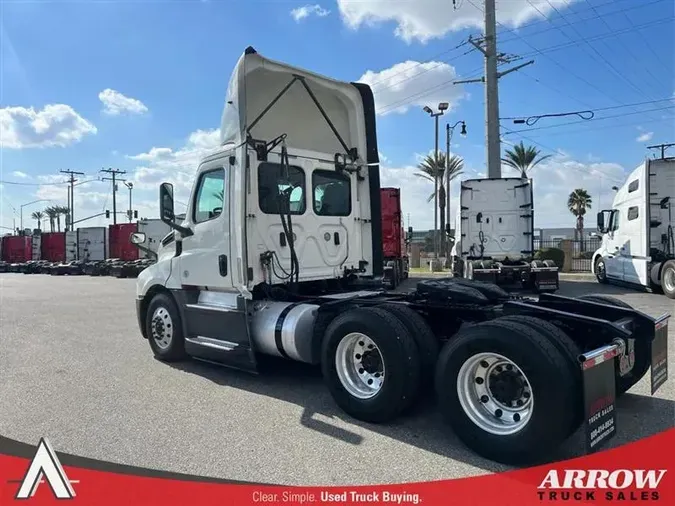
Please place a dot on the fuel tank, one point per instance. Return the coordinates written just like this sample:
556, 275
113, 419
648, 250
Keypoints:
284, 329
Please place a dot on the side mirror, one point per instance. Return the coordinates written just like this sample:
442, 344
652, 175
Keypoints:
604, 219
601, 221
166, 212
166, 203
137, 238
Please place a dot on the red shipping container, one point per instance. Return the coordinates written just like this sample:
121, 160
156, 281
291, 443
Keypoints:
16, 249
120, 246
54, 246
392, 225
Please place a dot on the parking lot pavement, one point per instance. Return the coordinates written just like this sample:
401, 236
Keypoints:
74, 368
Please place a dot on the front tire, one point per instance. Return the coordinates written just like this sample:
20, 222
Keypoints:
600, 271
164, 329
504, 387
668, 279
371, 364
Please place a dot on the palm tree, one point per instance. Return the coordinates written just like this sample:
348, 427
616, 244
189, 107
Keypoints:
61, 210
523, 159
38, 216
52, 213
578, 202
434, 171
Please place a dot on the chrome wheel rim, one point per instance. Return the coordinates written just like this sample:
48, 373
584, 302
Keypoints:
669, 280
360, 365
600, 269
495, 394
161, 327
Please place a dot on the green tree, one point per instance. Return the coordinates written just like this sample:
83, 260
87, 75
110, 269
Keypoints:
434, 171
578, 203
38, 216
52, 212
523, 159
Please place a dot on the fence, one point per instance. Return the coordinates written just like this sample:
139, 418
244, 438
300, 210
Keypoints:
582, 251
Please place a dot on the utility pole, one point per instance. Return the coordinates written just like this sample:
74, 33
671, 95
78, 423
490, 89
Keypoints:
488, 46
663, 148
113, 172
71, 199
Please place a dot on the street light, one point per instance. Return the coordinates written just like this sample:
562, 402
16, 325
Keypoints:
449, 130
27, 204
442, 107
131, 187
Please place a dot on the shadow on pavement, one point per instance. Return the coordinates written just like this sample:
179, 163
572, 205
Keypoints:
423, 428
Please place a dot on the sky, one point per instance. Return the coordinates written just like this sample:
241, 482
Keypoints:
139, 86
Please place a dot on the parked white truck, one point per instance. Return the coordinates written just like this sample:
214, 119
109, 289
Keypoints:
280, 253
494, 235
638, 246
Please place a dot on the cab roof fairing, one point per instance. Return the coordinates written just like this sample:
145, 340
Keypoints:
255, 83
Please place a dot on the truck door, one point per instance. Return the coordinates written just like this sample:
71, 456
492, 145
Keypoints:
205, 255
214, 313
636, 227
614, 243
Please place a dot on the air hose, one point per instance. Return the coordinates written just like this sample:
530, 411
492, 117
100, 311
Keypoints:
285, 212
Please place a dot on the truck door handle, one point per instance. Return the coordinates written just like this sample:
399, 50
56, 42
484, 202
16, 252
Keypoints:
282, 239
222, 265
336, 238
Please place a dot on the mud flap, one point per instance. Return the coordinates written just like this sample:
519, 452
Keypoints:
545, 279
659, 365
599, 396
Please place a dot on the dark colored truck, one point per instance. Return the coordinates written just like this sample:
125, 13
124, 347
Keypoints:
396, 264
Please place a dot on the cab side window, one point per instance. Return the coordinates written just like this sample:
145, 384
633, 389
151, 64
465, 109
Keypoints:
210, 197
332, 193
614, 225
273, 180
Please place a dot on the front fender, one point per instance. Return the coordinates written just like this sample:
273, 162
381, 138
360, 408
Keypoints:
594, 259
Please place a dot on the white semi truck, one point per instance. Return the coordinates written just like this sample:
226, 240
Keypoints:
638, 245
280, 253
494, 235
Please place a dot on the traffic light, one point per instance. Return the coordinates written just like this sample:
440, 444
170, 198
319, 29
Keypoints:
135, 214
107, 214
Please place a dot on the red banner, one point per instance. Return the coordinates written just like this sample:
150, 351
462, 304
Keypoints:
635, 473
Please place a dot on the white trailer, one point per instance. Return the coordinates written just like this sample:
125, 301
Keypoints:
155, 231
71, 245
36, 241
281, 242
92, 244
638, 244
494, 235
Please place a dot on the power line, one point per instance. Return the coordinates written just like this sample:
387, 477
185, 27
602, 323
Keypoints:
114, 173
609, 108
71, 203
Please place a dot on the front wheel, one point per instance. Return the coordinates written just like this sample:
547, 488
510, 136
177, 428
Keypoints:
600, 271
668, 279
164, 330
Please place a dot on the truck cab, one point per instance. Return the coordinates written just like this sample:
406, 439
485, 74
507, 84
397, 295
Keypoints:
291, 207
494, 238
638, 247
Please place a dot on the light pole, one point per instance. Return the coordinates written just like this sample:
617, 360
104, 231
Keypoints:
27, 204
131, 187
449, 130
442, 107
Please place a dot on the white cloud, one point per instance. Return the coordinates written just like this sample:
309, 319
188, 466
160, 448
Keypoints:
54, 125
114, 103
161, 164
645, 137
308, 10
412, 83
426, 19
20, 175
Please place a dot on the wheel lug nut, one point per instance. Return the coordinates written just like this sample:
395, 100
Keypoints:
361, 370
498, 413
370, 346
498, 368
509, 367
519, 402
361, 343
358, 356
484, 398
526, 395
377, 374
483, 363
479, 381
370, 382
516, 417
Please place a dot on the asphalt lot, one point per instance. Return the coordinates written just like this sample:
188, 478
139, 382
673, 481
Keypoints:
74, 368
